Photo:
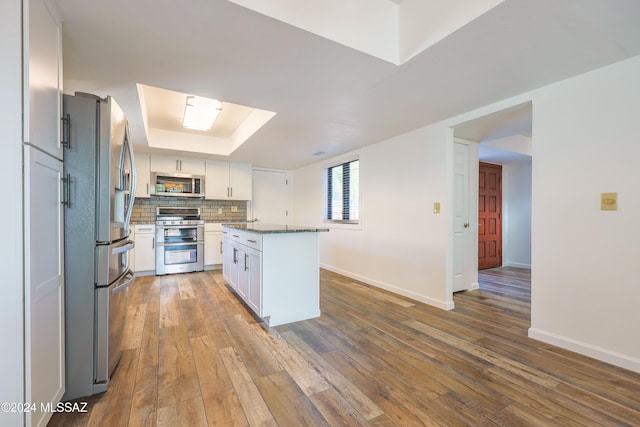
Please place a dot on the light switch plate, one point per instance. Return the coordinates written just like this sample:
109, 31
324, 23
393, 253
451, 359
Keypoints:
609, 201
436, 207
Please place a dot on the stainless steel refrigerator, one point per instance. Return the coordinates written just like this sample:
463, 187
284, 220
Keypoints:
100, 181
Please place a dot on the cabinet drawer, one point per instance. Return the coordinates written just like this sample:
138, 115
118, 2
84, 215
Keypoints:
236, 235
254, 241
145, 228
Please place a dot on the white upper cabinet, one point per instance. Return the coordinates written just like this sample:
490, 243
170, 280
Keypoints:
171, 164
217, 180
228, 181
143, 176
240, 181
43, 77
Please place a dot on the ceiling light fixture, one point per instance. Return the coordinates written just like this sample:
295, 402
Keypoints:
200, 113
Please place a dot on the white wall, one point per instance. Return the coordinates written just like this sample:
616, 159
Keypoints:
516, 200
11, 300
586, 140
398, 245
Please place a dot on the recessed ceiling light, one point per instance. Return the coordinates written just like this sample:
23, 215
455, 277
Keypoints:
200, 113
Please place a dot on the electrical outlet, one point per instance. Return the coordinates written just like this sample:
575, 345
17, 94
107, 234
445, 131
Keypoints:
436, 207
234, 209
219, 211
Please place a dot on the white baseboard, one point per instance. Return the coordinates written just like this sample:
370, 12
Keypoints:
474, 286
621, 360
444, 305
516, 264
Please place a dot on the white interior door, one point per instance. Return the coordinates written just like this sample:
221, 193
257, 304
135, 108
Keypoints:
270, 197
461, 223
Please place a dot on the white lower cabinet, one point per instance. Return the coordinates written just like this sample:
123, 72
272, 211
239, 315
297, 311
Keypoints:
44, 284
275, 273
230, 265
213, 245
244, 268
243, 275
144, 261
254, 280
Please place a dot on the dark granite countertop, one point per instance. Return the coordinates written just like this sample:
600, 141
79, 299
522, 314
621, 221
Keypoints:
262, 228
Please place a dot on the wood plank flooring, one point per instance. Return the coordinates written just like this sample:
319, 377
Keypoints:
194, 356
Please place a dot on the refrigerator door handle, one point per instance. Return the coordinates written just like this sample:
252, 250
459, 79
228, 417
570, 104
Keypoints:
130, 277
124, 248
126, 145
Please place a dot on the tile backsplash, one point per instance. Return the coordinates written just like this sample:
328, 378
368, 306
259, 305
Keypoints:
144, 210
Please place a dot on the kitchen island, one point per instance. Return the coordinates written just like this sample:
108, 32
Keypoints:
274, 269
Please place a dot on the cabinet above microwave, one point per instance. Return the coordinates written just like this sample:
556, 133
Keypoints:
177, 185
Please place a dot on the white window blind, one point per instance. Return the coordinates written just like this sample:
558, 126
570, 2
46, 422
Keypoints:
343, 192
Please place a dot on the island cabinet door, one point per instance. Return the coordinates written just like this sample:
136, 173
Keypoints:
242, 262
254, 296
230, 264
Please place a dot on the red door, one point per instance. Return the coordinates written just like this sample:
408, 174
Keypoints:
490, 216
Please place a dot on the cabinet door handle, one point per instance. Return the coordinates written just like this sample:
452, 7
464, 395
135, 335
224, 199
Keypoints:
66, 190
252, 241
220, 247
66, 131
153, 243
147, 188
246, 267
235, 259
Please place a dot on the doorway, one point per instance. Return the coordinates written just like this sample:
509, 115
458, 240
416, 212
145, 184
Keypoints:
489, 216
505, 138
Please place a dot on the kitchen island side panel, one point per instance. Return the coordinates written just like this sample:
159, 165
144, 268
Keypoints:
290, 277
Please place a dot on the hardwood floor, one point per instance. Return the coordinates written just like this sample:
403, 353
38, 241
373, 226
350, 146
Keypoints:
194, 356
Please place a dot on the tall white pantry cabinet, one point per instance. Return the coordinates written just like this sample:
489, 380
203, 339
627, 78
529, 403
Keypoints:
44, 369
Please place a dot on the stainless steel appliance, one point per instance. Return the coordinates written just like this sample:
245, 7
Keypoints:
177, 185
179, 240
100, 181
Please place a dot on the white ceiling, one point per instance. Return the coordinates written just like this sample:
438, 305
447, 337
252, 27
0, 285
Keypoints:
329, 97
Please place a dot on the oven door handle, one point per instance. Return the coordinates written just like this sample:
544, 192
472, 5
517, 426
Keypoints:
173, 227
199, 242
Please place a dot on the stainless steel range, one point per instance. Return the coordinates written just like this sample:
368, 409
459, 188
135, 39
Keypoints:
179, 240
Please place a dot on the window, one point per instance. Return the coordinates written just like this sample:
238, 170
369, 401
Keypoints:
343, 192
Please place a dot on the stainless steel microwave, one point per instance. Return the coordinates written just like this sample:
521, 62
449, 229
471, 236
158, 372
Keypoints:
177, 185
